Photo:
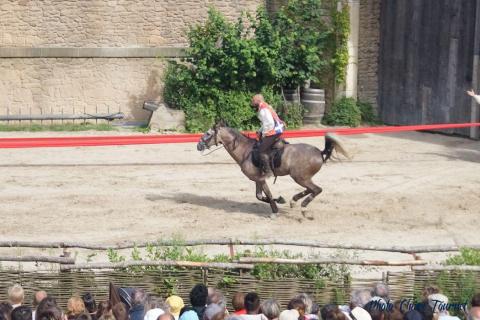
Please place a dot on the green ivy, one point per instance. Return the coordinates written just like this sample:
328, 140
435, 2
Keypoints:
341, 32
344, 112
467, 256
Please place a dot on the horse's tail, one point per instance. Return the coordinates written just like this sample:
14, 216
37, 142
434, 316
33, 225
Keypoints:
332, 142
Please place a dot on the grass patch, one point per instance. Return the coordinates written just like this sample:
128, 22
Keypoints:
57, 127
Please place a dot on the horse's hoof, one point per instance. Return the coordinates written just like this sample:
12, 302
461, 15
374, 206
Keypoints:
273, 216
293, 204
280, 200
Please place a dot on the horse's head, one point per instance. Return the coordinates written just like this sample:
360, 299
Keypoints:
210, 137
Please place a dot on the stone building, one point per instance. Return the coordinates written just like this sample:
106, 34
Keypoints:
104, 56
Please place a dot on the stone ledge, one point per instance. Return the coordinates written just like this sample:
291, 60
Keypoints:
28, 52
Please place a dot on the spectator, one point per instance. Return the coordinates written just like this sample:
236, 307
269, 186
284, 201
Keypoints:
289, 315
298, 305
412, 315
381, 290
83, 316
137, 311
46, 306
427, 291
217, 298
16, 296
104, 310
238, 303
332, 312
166, 316
213, 310
476, 300
48, 311
315, 311
307, 301
75, 307
360, 298
120, 311
474, 313
376, 310
176, 304
90, 305
359, 313
21, 313
198, 300
271, 309
37, 298
153, 314
437, 302
5, 310
252, 308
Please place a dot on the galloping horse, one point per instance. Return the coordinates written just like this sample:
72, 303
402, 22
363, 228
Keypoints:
301, 161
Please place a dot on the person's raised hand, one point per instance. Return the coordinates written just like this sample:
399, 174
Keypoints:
471, 93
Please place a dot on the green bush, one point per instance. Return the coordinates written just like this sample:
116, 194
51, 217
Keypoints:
344, 112
368, 115
467, 256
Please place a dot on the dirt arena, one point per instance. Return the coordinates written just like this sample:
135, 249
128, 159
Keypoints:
400, 189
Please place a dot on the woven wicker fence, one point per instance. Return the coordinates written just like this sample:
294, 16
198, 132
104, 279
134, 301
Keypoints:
64, 285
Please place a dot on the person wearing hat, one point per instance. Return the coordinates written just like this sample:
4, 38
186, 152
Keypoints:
176, 304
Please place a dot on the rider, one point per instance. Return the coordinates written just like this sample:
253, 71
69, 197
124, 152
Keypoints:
270, 131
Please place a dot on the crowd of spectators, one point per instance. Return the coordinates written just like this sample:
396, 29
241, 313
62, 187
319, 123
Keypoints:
210, 304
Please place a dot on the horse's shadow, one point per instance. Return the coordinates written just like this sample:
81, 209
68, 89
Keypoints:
217, 203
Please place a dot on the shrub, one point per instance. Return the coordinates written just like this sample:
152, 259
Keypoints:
368, 115
344, 112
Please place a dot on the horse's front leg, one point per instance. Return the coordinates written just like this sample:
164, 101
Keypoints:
259, 193
272, 202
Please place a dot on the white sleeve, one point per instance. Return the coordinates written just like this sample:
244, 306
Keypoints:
266, 118
477, 98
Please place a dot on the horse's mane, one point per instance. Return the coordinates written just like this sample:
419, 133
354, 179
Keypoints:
238, 134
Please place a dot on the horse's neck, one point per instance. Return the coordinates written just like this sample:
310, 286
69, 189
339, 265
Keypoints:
238, 146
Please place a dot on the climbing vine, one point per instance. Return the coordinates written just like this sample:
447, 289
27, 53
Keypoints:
341, 32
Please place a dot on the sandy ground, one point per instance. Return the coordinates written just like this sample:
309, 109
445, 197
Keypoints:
400, 189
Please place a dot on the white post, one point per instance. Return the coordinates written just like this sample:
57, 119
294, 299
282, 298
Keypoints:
352, 67
475, 112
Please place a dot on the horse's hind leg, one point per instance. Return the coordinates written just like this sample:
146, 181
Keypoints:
298, 196
315, 191
259, 193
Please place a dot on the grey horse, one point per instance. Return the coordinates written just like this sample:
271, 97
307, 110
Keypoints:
301, 161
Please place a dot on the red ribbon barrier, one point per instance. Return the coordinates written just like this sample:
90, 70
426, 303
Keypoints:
90, 141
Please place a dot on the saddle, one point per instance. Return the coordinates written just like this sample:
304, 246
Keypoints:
275, 154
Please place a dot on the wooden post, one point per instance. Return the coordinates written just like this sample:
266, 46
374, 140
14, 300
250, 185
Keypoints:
475, 114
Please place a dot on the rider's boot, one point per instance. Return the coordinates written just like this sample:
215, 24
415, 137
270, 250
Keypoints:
266, 167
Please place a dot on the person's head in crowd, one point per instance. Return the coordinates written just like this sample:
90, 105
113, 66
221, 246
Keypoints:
298, 305
429, 290
218, 298
289, 315
376, 310
359, 313
252, 303
120, 311
238, 302
332, 312
271, 309
212, 310
16, 295
396, 313
381, 290
47, 304
139, 297
21, 313
175, 304
427, 312
50, 312
83, 316
75, 306
412, 315
359, 298
38, 297
104, 309
435, 301
314, 312
5, 310
153, 314
474, 313
199, 295
476, 300
107, 317
307, 301
166, 316
155, 303
89, 303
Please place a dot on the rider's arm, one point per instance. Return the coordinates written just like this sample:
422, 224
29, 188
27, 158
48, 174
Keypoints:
477, 98
267, 120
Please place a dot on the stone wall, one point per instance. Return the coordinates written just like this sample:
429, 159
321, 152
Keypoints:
89, 84
368, 50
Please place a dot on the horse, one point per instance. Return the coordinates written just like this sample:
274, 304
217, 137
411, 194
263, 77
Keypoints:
300, 160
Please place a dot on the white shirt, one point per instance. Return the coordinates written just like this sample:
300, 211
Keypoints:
477, 98
268, 124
